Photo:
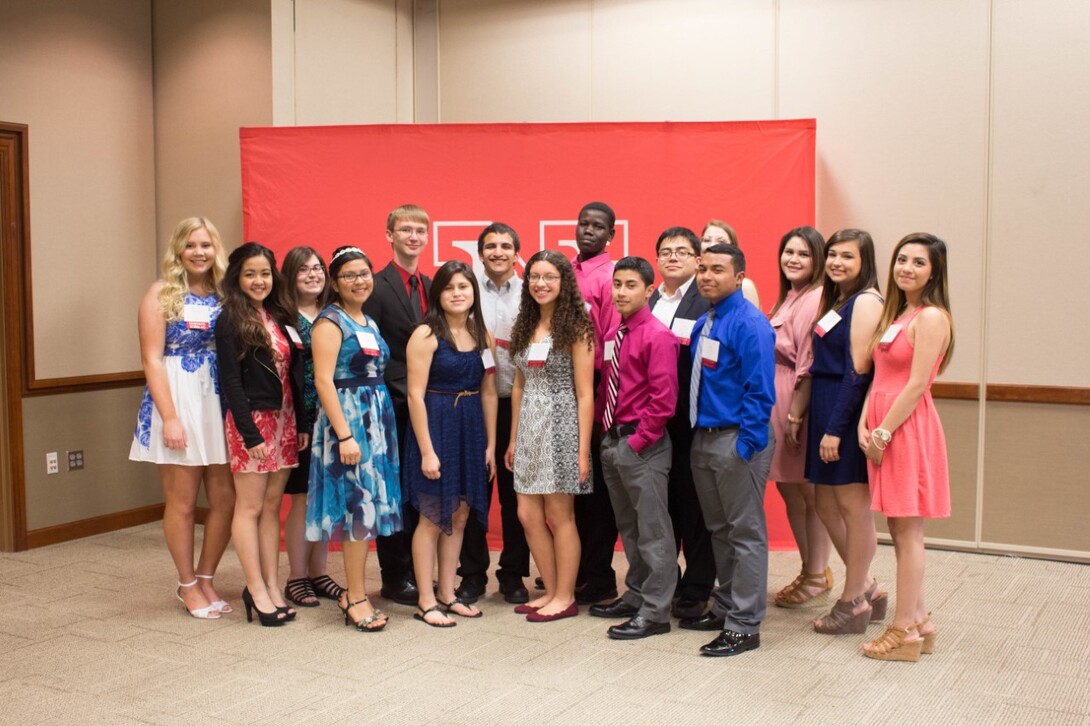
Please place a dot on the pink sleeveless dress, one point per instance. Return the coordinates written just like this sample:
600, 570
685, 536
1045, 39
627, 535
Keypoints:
913, 480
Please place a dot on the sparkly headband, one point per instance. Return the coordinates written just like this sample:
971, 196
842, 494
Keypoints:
346, 250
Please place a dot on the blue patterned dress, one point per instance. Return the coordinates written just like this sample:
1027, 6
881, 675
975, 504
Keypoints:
189, 358
358, 502
456, 427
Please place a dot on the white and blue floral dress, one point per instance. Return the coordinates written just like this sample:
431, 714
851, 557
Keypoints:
189, 358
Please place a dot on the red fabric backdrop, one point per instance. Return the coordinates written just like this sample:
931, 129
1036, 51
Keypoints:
332, 185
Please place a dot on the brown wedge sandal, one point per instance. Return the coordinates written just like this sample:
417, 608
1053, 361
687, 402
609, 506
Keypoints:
891, 645
802, 590
928, 646
879, 602
843, 619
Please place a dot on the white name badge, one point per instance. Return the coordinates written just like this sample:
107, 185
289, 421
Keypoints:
197, 317
683, 329
537, 354
709, 353
890, 335
294, 335
368, 342
827, 323
586, 306
607, 350
503, 333
489, 361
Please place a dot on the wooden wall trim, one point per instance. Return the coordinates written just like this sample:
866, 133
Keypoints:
102, 524
1069, 395
83, 384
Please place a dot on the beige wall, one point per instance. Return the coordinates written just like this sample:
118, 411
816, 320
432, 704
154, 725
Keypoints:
79, 74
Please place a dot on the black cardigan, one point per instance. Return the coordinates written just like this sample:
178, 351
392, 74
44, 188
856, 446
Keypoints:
251, 384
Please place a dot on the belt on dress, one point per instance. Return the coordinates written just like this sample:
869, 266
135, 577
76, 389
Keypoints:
357, 381
620, 430
458, 395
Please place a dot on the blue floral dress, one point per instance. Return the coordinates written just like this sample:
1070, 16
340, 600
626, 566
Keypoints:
358, 502
189, 358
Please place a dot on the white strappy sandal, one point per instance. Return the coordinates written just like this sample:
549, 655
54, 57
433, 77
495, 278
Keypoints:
222, 605
205, 613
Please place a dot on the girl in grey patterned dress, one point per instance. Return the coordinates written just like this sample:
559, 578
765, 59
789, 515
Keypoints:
552, 406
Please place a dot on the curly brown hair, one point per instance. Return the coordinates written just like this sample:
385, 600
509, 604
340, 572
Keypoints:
570, 322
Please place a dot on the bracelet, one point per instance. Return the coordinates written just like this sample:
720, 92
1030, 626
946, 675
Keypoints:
794, 419
346, 438
874, 440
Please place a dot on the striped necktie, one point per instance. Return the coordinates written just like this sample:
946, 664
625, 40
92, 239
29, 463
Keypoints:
614, 378
694, 382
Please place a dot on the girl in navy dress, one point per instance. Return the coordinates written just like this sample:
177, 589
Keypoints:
450, 450
261, 376
180, 424
840, 373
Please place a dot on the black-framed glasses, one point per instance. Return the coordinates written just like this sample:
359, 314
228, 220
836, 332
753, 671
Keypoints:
351, 277
679, 252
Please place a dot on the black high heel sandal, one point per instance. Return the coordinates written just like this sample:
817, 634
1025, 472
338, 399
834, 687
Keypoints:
269, 620
365, 625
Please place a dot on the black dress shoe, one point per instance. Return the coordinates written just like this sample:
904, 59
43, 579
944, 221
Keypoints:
730, 642
404, 592
539, 584
589, 595
470, 591
687, 607
616, 610
637, 627
515, 592
707, 621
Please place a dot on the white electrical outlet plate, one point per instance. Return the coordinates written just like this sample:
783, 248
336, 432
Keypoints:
51, 464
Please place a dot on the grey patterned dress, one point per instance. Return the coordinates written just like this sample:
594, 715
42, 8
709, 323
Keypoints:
547, 441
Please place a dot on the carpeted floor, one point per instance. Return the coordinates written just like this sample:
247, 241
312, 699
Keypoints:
90, 633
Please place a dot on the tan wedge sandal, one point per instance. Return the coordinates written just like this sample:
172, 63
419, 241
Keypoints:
802, 589
928, 646
891, 645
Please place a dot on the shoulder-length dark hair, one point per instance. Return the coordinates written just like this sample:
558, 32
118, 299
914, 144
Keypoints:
239, 313
936, 292
816, 243
436, 319
868, 271
289, 270
570, 323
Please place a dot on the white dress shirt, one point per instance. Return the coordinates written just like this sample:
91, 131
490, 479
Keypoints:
500, 306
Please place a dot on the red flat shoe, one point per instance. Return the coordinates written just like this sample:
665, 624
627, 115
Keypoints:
569, 612
526, 609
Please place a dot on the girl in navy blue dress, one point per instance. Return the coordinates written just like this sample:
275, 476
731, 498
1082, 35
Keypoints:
840, 373
450, 449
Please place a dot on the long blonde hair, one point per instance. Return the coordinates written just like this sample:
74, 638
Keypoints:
936, 292
175, 279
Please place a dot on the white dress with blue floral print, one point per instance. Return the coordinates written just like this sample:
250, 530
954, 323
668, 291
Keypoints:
190, 362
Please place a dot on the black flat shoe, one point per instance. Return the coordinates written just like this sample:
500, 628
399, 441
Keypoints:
515, 592
587, 596
637, 627
687, 607
404, 593
707, 621
730, 642
269, 620
616, 610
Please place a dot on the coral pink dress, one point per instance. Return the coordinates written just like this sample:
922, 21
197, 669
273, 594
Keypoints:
913, 480
794, 353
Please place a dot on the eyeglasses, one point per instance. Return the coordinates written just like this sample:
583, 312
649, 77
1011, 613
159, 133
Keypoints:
549, 279
305, 271
351, 277
680, 252
410, 231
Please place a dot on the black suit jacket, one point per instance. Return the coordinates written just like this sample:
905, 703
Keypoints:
388, 306
692, 306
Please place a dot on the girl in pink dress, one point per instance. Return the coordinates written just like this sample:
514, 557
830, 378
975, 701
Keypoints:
801, 275
901, 433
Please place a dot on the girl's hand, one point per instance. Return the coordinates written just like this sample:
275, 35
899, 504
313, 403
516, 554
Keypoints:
830, 448
864, 437
350, 452
509, 457
259, 452
304, 441
791, 434
490, 463
429, 464
174, 434
874, 454
584, 467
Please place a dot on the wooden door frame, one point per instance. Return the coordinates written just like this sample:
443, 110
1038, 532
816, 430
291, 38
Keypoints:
15, 297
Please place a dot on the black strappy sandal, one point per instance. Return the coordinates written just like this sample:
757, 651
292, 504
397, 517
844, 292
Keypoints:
325, 586
448, 608
367, 624
301, 592
422, 616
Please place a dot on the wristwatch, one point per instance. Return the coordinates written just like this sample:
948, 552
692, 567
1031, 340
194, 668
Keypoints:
882, 435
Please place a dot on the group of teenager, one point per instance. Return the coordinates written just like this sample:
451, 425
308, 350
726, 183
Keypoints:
387, 403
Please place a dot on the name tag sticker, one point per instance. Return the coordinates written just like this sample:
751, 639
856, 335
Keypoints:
709, 353
489, 361
537, 354
197, 317
890, 335
586, 306
683, 329
294, 335
503, 333
827, 323
607, 351
368, 342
